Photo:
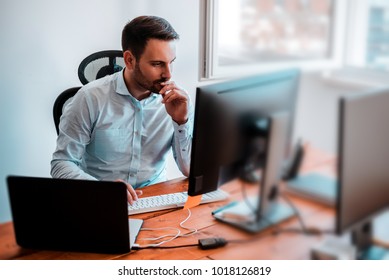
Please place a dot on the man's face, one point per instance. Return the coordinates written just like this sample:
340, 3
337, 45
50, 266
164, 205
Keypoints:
155, 64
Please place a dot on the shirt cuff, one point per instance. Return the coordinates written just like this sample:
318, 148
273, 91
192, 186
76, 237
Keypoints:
183, 130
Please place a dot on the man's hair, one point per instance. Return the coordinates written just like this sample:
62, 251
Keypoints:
138, 31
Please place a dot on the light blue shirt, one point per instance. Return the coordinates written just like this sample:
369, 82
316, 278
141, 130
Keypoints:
107, 134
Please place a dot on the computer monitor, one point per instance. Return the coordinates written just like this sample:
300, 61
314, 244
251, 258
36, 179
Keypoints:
363, 190
232, 131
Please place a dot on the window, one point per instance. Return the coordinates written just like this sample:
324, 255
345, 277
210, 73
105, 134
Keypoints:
369, 35
245, 36
251, 35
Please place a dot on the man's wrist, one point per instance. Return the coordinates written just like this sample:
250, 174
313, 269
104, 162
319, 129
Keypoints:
181, 122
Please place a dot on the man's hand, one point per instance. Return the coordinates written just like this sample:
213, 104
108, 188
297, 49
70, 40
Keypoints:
176, 101
132, 195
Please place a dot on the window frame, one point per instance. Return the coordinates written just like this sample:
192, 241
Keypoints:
209, 69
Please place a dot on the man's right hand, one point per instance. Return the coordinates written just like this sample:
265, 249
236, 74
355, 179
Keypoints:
132, 195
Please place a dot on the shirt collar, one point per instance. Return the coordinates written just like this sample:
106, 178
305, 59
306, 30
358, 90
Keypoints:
121, 87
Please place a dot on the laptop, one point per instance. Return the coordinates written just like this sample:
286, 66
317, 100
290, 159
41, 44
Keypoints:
71, 215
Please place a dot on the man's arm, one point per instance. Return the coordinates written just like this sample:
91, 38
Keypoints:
68, 170
74, 134
178, 106
182, 144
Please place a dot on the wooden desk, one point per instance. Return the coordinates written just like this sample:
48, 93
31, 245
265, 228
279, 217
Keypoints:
264, 245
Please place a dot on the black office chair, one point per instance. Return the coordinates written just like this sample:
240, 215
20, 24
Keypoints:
93, 67
60, 102
100, 64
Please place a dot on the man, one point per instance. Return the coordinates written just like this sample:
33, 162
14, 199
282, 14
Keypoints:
122, 126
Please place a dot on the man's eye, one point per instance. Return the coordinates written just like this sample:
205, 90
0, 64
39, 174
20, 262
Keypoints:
156, 64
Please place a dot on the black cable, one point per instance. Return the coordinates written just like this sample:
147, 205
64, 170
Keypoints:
304, 229
253, 209
246, 199
206, 243
296, 211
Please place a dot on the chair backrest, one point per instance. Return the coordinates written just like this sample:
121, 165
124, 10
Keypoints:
60, 102
93, 67
100, 64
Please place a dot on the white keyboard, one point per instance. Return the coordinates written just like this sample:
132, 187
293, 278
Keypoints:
170, 201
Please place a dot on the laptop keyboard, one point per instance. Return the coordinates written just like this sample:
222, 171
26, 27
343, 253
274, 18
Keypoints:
171, 201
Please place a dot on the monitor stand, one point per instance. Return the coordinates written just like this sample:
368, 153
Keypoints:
374, 253
243, 216
257, 213
358, 245
362, 239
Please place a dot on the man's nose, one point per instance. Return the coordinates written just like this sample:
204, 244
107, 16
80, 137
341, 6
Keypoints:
167, 72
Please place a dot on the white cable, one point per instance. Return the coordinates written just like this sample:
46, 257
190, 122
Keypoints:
173, 236
162, 236
162, 242
193, 230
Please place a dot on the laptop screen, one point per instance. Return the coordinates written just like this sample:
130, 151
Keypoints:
71, 215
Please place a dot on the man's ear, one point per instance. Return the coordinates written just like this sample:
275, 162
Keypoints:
129, 59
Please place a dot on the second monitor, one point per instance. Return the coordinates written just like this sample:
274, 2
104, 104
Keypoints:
242, 126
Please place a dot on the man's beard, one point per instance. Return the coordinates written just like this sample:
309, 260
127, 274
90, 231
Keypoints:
154, 86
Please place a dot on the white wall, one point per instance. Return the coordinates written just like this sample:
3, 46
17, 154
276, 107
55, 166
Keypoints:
42, 43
